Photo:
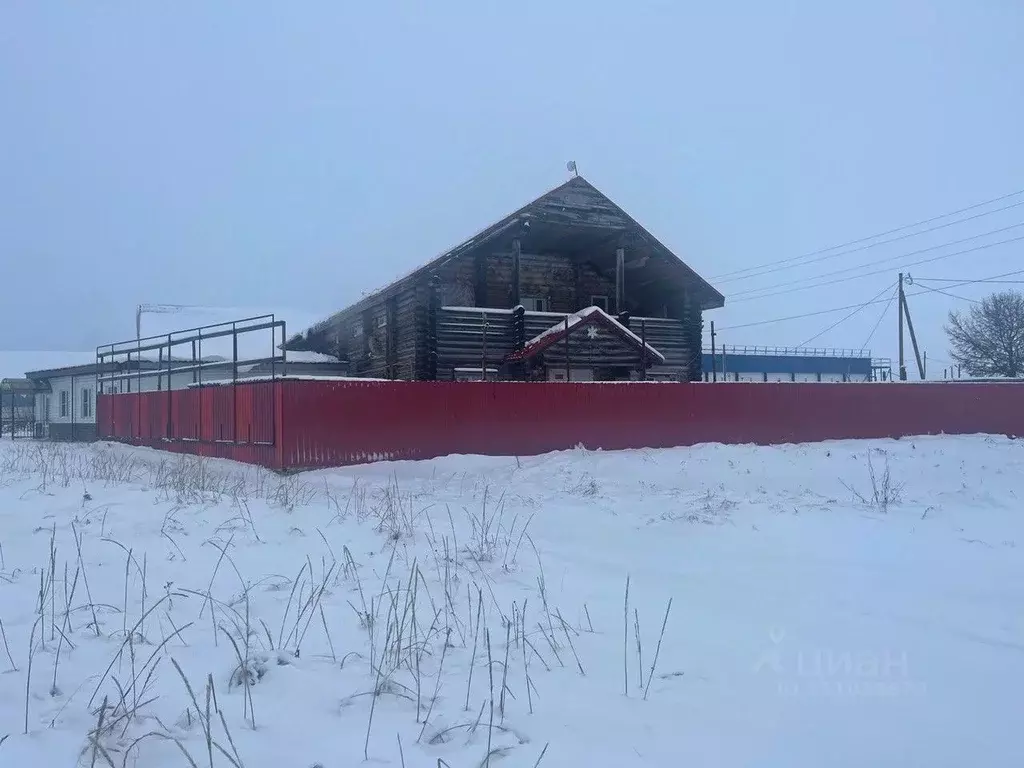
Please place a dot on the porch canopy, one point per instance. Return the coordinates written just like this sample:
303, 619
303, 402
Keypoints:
590, 337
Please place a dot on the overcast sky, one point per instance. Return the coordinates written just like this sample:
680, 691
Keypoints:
299, 154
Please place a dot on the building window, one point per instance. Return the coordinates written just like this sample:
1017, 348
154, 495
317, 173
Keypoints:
65, 403
87, 403
599, 301
535, 303
45, 407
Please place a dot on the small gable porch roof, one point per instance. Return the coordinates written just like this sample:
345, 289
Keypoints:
593, 317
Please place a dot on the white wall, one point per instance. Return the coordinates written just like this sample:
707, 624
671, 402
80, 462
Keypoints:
80, 394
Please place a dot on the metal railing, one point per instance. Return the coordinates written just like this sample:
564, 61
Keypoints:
738, 349
125, 362
206, 355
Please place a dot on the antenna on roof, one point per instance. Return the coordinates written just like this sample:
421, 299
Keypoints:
571, 168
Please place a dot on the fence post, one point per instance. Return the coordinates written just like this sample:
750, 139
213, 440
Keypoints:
483, 353
568, 368
170, 385
519, 339
643, 349
234, 381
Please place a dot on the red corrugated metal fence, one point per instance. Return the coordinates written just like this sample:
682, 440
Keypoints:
327, 423
240, 422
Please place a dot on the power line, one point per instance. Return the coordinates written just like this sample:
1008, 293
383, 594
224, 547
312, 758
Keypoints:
883, 271
799, 317
964, 281
855, 306
992, 279
882, 242
862, 307
881, 317
876, 262
946, 293
729, 276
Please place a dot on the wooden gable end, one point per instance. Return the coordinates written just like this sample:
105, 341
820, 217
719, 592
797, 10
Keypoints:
579, 203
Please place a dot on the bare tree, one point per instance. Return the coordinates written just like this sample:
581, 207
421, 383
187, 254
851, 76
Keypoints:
989, 339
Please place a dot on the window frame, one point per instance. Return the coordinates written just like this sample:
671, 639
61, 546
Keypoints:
540, 303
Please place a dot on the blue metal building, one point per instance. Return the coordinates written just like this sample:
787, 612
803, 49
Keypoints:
775, 364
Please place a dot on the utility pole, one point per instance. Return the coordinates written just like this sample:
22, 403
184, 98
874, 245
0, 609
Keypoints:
902, 363
904, 310
714, 360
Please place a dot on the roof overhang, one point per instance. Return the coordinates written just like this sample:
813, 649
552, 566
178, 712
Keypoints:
589, 317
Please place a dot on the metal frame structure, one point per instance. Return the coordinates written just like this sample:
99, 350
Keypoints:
17, 420
132, 361
742, 349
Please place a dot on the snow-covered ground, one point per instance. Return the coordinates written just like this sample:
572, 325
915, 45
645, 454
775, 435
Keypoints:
163, 611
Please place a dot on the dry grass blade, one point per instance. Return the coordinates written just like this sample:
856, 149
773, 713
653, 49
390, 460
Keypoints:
657, 651
625, 642
120, 651
572, 647
7, 648
490, 724
542, 753
94, 738
28, 676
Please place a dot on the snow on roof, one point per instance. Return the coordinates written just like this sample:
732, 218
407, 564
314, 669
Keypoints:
251, 345
588, 315
16, 363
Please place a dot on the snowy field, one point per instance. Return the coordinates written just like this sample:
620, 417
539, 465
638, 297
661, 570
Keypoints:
711, 606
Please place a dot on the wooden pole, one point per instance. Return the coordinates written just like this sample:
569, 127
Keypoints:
620, 279
516, 272
714, 360
643, 350
913, 341
902, 361
483, 354
568, 369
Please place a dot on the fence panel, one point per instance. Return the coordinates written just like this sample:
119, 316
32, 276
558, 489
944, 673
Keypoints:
347, 422
200, 420
299, 424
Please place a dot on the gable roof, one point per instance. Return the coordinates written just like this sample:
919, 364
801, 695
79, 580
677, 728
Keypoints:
89, 369
551, 203
16, 363
592, 316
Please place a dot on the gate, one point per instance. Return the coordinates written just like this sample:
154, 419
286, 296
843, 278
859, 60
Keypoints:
18, 409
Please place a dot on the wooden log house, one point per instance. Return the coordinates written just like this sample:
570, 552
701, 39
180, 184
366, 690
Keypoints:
568, 287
